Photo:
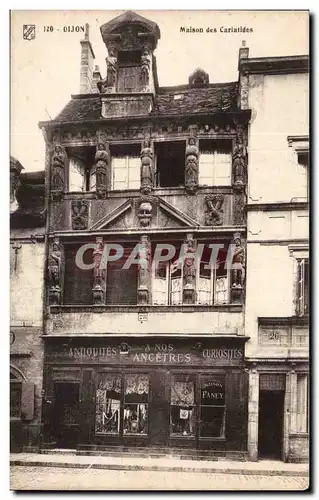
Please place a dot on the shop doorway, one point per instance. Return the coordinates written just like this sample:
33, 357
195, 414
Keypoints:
66, 413
270, 429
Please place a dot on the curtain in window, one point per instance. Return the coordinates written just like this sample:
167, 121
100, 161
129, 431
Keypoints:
182, 392
137, 384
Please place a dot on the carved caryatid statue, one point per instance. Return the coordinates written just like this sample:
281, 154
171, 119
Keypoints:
98, 272
144, 270
189, 270
239, 257
146, 166
101, 167
214, 211
57, 164
111, 73
54, 272
191, 167
146, 61
239, 161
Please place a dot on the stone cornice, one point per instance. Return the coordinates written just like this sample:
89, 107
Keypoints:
275, 65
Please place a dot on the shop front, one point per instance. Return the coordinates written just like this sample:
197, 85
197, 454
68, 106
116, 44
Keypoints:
190, 393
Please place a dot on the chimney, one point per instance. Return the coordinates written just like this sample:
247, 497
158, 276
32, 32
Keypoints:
96, 78
87, 63
243, 52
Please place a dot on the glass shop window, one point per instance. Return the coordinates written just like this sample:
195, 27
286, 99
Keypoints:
108, 403
135, 417
215, 161
212, 406
183, 412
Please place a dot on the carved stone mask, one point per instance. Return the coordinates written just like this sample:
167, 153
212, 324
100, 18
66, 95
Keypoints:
145, 213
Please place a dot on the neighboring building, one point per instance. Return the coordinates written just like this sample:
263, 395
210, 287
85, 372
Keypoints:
276, 318
166, 355
27, 253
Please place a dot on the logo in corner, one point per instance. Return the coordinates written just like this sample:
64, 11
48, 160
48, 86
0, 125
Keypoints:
29, 31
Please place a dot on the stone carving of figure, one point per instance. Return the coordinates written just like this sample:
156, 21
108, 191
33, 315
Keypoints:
239, 158
111, 73
55, 265
214, 212
191, 168
58, 160
238, 274
189, 270
146, 167
101, 164
146, 60
98, 272
144, 269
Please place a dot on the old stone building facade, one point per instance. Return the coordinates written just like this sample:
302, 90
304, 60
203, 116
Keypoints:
27, 259
166, 353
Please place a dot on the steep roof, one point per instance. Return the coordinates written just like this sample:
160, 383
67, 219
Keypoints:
30, 197
170, 101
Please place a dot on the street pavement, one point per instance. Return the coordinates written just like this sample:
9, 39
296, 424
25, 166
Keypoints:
32, 478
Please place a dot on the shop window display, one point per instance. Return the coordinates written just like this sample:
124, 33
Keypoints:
135, 417
108, 402
182, 406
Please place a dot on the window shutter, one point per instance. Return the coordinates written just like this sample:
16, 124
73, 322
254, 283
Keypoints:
27, 401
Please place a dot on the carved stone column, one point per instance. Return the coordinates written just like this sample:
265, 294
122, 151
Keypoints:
101, 166
54, 272
189, 270
99, 272
191, 165
238, 270
144, 271
57, 171
146, 167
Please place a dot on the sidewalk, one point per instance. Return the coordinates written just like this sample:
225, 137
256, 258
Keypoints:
166, 464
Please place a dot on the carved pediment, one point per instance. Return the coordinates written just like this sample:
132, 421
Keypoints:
149, 212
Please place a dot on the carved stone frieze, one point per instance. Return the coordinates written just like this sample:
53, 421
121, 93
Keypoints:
214, 213
80, 214
239, 204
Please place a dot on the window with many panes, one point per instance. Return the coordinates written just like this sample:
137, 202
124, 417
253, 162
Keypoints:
81, 169
212, 278
125, 160
15, 398
167, 281
302, 286
135, 419
302, 402
215, 161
